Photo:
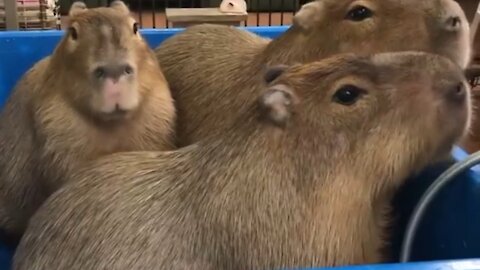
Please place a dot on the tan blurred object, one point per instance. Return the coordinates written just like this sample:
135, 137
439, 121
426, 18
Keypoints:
233, 6
472, 141
470, 7
184, 17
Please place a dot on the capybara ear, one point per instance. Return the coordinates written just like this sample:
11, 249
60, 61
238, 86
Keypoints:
308, 15
472, 72
274, 72
277, 104
120, 6
77, 8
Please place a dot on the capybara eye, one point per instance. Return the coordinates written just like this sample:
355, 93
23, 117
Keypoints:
135, 28
128, 69
359, 13
347, 95
73, 33
99, 72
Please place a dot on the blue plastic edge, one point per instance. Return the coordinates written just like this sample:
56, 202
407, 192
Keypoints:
473, 264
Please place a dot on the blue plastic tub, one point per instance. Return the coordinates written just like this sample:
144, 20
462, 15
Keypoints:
449, 236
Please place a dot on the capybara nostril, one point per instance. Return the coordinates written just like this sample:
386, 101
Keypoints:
457, 93
99, 72
128, 69
459, 89
454, 22
113, 71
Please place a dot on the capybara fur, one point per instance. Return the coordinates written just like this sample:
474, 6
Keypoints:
101, 91
303, 177
212, 69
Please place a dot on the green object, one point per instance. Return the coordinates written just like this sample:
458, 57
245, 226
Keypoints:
261, 5
65, 4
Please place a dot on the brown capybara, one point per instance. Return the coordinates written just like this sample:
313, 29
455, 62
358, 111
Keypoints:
101, 91
215, 71
302, 178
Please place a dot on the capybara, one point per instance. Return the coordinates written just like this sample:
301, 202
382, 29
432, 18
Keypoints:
303, 177
215, 71
101, 91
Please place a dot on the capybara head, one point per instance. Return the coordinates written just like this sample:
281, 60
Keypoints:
104, 48
370, 26
386, 109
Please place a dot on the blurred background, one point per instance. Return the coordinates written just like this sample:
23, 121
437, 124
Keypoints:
41, 14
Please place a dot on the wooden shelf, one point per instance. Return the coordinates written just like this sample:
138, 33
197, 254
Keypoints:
31, 14
183, 17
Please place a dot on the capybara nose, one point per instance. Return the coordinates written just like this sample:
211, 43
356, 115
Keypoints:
454, 22
457, 93
113, 71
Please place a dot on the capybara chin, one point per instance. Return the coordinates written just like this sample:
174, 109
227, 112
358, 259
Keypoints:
100, 92
302, 178
214, 71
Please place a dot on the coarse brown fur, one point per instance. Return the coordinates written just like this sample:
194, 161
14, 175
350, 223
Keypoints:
301, 179
53, 121
212, 69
